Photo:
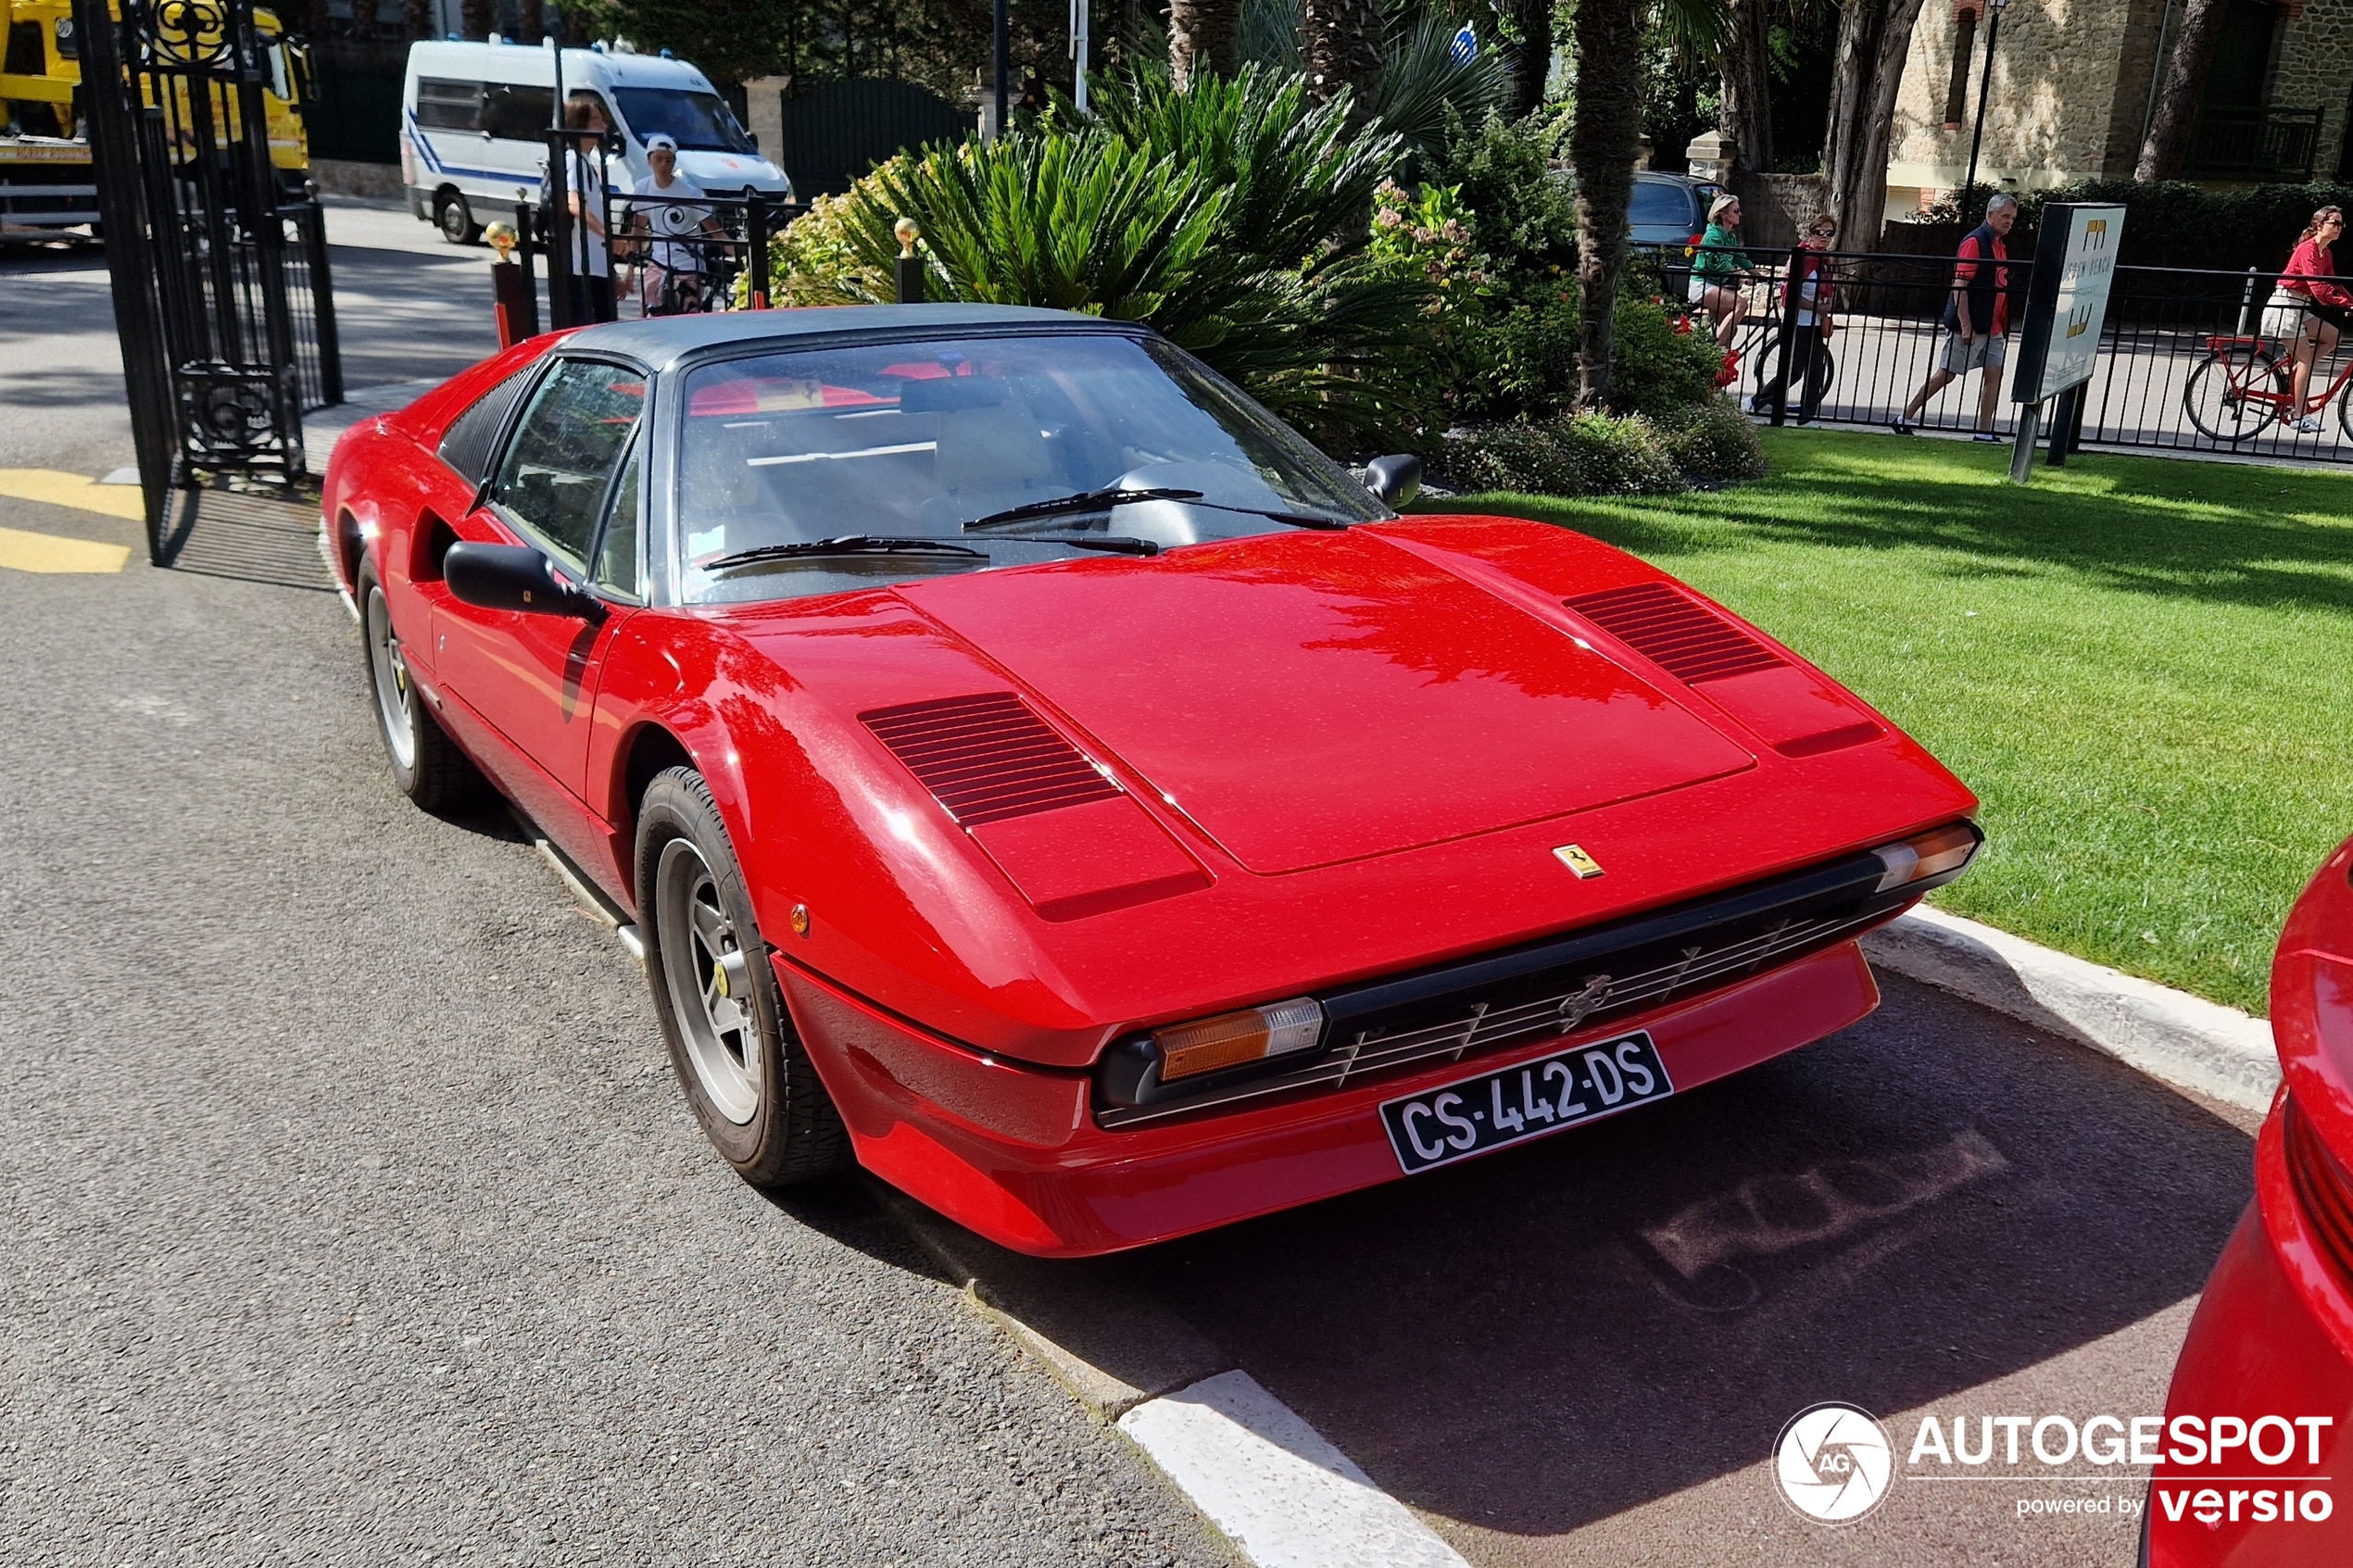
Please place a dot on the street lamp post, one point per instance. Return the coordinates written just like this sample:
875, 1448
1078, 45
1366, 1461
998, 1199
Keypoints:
1004, 93
1985, 85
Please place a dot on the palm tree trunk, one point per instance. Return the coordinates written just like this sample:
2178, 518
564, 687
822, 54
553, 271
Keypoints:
531, 21
1202, 36
2184, 84
416, 19
1745, 66
1535, 62
1342, 41
1873, 38
1603, 142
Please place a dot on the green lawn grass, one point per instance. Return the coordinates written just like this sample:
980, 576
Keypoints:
2144, 667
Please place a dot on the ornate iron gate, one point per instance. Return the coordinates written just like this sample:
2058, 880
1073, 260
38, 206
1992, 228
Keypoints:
197, 245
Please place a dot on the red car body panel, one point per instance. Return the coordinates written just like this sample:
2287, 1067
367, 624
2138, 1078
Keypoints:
2273, 1332
1341, 756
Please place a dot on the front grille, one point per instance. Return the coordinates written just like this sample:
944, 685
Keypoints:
1674, 632
1553, 988
2322, 1189
987, 757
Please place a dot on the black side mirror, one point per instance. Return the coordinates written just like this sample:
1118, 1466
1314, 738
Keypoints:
1396, 479
514, 577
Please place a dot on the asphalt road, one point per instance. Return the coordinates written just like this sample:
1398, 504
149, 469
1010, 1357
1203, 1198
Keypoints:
353, 1215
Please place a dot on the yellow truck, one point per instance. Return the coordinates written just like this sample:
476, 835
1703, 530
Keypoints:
47, 185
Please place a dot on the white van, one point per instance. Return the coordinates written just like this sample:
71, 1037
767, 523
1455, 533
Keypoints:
474, 119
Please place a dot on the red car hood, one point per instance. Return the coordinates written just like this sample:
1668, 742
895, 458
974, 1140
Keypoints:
1306, 699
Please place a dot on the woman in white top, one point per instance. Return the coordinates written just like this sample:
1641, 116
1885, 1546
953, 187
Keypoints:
588, 247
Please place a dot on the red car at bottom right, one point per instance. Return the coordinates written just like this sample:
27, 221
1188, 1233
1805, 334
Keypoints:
2263, 1393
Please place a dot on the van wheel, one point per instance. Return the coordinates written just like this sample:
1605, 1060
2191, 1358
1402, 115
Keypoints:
455, 219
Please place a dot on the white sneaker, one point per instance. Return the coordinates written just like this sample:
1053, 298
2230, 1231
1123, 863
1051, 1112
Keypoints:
2309, 424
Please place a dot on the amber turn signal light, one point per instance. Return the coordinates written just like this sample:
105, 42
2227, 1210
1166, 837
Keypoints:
1232, 1038
1929, 860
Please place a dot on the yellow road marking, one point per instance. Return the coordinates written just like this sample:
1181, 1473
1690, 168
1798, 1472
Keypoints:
20, 551
123, 501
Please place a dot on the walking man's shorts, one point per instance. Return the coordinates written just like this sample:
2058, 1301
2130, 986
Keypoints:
1987, 352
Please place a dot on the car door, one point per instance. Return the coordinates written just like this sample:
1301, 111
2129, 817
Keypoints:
565, 479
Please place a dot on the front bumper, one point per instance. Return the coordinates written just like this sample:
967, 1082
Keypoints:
1014, 1151
2270, 1338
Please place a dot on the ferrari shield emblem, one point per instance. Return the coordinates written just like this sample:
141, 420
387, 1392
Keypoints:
1573, 856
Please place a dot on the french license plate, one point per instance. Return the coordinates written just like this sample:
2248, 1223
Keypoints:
1440, 1126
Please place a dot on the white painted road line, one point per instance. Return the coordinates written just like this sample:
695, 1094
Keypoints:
2171, 1035
1274, 1484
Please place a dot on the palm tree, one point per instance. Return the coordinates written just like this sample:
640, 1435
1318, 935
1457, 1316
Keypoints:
1745, 65
1342, 41
1603, 138
1202, 36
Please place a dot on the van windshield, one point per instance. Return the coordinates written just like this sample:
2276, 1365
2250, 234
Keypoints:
699, 122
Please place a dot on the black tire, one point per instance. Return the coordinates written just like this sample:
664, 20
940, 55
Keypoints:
427, 767
455, 219
732, 1043
2220, 413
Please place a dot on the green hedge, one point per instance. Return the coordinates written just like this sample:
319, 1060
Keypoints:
2174, 223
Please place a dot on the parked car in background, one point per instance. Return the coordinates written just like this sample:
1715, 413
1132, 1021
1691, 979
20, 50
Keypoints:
2262, 1396
1668, 209
1034, 773
474, 119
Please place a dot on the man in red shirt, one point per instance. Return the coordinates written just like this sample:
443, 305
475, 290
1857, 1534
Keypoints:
1977, 320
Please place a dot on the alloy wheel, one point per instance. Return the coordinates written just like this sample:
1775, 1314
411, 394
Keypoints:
708, 973
395, 694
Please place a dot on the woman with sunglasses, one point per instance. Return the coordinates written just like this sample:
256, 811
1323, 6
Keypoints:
1810, 274
2310, 310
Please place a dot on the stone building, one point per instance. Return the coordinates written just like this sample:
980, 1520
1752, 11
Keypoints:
2071, 95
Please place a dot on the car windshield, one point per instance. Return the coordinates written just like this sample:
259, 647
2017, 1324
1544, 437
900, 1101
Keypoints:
699, 122
994, 445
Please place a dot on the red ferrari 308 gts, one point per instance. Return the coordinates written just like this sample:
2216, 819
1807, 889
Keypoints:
2259, 1421
1041, 778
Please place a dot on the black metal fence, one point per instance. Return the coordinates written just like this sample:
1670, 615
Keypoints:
662, 256
2189, 360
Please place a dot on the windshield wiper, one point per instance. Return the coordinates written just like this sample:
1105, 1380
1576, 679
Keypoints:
1297, 520
1085, 501
1117, 543
847, 544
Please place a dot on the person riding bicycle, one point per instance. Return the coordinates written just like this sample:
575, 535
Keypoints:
1817, 287
2309, 311
1719, 267
672, 278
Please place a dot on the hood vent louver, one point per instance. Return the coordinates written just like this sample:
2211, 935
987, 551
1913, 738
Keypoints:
987, 758
1682, 636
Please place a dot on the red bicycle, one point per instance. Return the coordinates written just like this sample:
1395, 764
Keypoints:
2242, 385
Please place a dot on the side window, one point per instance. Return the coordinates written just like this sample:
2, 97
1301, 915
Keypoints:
559, 465
617, 550
516, 113
465, 445
448, 105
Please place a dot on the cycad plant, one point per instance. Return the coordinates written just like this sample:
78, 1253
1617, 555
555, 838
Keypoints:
1204, 214
1072, 221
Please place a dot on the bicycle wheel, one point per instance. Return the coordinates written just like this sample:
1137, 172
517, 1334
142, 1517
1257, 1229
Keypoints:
2345, 409
2218, 403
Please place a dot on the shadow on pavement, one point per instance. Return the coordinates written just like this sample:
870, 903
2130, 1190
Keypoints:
1556, 1333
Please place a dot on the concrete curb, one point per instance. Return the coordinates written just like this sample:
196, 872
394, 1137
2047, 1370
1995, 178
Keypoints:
2172, 1035
1275, 1487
